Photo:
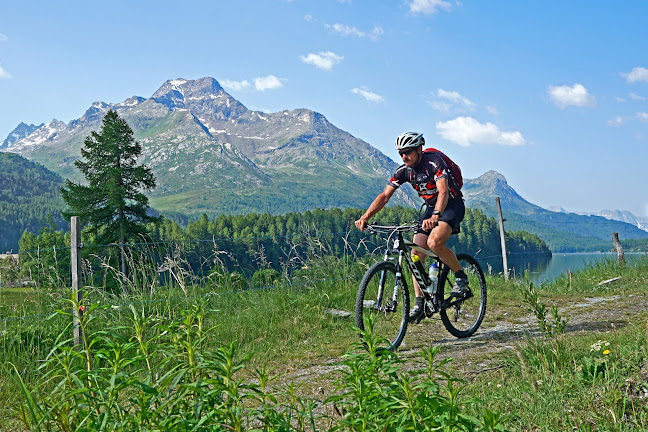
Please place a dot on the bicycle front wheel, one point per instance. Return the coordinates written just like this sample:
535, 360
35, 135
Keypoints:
462, 316
382, 307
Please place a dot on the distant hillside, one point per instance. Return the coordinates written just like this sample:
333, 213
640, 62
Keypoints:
212, 155
562, 231
29, 192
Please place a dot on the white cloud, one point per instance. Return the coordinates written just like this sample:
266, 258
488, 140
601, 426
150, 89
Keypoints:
346, 30
635, 96
368, 94
636, 74
428, 7
4, 74
235, 85
261, 84
3, 38
455, 98
492, 110
308, 17
616, 121
577, 95
324, 60
267, 83
451, 101
466, 131
643, 116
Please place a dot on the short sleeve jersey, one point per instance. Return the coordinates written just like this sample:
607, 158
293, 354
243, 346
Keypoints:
424, 175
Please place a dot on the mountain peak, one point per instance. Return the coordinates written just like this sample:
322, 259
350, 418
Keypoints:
492, 176
481, 192
182, 89
20, 132
492, 181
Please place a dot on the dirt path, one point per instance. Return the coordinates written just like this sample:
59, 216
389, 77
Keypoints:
478, 353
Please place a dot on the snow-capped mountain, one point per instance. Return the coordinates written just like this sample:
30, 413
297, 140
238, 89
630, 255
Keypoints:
21, 131
212, 154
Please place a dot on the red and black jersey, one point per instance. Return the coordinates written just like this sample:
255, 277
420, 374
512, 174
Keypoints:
424, 175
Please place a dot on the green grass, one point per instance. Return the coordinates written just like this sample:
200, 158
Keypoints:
568, 384
544, 383
589, 380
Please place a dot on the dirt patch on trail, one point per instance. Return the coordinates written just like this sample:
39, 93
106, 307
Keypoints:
478, 353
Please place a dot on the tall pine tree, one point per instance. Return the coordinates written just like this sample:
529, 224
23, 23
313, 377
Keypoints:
111, 205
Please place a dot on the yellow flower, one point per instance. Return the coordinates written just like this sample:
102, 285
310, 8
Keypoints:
606, 352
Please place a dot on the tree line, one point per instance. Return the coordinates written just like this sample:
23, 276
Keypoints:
249, 243
114, 212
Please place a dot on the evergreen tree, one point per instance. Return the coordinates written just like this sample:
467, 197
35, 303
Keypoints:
111, 205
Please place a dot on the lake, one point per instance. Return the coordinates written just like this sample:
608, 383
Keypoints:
546, 269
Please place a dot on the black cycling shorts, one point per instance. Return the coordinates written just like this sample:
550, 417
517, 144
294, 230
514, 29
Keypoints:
452, 215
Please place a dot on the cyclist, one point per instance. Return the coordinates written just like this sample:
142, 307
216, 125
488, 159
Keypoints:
428, 173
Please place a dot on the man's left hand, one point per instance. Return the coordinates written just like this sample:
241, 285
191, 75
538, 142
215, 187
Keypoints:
429, 224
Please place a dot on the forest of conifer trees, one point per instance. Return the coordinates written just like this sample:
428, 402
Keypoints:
252, 242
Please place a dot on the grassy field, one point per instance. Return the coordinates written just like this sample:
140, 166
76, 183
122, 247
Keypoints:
583, 377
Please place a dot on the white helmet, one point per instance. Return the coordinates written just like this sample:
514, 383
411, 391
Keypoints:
409, 140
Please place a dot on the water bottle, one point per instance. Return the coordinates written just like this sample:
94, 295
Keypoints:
433, 272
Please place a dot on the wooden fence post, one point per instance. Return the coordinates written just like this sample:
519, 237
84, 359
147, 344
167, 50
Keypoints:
618, 247
75, 264
502, 238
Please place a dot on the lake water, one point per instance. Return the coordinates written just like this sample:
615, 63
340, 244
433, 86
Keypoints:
546, 269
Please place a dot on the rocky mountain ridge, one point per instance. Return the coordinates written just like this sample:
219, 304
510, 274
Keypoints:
20, 132
211, 154
622, 216
561, 231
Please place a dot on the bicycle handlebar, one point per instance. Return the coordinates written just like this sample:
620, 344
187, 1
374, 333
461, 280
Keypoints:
374, 228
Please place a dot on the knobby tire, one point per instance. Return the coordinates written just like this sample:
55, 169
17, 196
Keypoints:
463, 318
389, 326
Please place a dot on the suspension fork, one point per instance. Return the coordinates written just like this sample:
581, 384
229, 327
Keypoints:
381, 286
397, 279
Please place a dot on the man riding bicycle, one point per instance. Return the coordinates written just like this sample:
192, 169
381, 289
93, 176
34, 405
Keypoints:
429, 175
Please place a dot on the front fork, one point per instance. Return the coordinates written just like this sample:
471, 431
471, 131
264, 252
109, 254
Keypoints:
381, 288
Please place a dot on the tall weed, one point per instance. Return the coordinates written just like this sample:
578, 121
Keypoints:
375, 393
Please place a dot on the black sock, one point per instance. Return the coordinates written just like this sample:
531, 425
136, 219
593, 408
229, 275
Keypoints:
460, 274
420, 301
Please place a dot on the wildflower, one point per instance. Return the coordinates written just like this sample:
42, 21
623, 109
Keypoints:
606, 352
82, 308
596, 346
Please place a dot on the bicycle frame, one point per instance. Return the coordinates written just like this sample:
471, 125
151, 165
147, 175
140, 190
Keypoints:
403, 248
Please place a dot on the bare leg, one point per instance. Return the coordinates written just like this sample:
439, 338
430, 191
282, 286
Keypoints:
437, 243
421, 240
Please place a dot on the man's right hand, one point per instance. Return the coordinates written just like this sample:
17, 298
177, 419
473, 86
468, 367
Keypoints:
361, 224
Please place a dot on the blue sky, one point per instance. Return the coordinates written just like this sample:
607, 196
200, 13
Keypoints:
552, 94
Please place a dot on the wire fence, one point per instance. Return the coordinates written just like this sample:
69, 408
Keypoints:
195, 296
176, 263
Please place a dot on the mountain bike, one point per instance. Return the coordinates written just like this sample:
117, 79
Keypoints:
384, 298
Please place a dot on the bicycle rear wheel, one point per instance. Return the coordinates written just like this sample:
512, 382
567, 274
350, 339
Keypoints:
382, 306
462, 317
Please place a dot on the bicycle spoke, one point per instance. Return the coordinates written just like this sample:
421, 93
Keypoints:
377, 309
462, 316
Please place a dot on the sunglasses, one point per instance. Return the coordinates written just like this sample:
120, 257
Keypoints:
406, 151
